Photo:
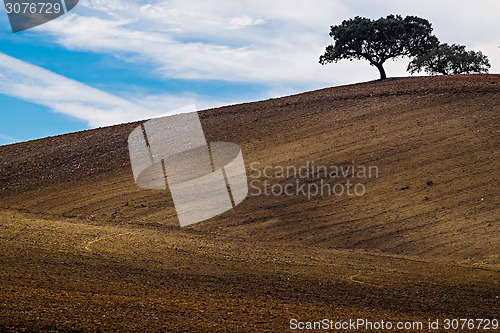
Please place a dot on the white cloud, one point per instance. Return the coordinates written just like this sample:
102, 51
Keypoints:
243, 21
188, 60
66, 96
221, 40
5, 139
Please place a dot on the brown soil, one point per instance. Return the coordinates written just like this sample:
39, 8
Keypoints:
84, 249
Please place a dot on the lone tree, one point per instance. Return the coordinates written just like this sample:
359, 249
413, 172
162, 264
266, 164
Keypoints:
450, 59
379, 40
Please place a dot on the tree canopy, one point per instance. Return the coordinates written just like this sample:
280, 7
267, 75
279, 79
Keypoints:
450, 59
380, 40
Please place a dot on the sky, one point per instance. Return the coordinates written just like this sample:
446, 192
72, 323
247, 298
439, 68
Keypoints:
108, 62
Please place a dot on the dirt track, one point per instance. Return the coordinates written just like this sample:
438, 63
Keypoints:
422, 243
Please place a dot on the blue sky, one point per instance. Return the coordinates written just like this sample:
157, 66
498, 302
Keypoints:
113, 61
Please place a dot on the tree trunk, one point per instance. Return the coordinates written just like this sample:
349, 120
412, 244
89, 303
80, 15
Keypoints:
382, 71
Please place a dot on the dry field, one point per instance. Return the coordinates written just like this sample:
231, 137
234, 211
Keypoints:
82, 248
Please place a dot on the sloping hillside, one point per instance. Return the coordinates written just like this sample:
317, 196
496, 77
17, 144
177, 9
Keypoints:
423, 241
416, 131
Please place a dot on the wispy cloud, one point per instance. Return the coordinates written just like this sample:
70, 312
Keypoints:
5, 139
66, 96
220, 40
